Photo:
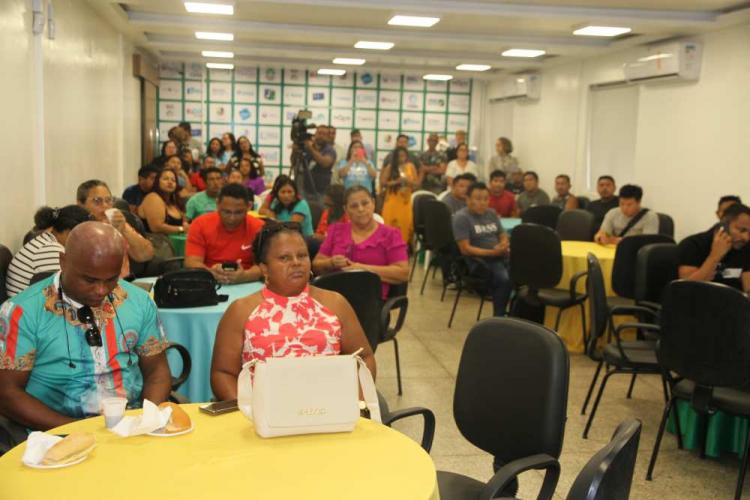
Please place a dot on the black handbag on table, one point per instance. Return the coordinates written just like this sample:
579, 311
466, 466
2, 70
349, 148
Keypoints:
187, 288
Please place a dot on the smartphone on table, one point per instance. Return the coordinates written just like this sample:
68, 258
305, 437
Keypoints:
229, 266
219, 407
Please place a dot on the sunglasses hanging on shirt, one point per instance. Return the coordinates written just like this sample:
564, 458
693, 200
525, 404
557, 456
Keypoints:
93, 334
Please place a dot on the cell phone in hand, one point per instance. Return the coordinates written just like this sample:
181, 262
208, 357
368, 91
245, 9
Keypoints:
229, 266
219, 407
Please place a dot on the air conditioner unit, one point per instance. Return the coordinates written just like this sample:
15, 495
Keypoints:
678, 60
517, 87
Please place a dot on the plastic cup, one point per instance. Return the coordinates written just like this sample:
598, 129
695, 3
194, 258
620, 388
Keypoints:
113, 410
110, 213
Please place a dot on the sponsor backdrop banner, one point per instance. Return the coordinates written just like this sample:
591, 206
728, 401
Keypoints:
260, 102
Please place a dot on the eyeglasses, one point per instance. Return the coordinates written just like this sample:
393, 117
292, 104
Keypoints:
93, 335
99, 201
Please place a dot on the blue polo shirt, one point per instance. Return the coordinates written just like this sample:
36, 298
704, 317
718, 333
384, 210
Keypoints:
40, 333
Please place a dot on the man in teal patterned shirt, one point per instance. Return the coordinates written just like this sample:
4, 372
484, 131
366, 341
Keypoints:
79, 336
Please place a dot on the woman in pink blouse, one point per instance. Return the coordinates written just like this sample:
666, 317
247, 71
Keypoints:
363, 243
288, 317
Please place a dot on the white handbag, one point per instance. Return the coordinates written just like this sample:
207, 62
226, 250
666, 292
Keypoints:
308, 395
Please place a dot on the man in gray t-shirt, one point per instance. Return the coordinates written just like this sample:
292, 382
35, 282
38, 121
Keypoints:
532, 194
617, 222
456, 198
480, 235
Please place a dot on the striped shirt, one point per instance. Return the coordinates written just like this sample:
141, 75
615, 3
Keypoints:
38, 255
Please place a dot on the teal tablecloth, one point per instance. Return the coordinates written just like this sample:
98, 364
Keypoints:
724, 432
509, 223
195, 328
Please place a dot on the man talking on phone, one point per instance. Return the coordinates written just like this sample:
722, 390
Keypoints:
222, 241
722, 253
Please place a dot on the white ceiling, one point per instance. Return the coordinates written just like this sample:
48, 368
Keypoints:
309, 33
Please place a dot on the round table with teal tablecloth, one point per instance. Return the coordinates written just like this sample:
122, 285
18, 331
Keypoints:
723, 432
509, 223
195, 328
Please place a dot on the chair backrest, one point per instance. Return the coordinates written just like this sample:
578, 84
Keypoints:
417, 206
512, 389
623, 270
438, 230
316, 211
598, 309
666, 225
186, 361
576, 225
362, 290
656, 267
545, 215
609, 473
583, 202
705, 333
40, 276
535, 257
5, 258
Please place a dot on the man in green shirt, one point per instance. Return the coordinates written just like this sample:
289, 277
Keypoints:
205, 201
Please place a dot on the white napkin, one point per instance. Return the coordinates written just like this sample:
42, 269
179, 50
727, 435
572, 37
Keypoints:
37, 445
152, 418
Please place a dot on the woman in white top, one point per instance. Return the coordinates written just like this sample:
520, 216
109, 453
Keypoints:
462, 164
42, 253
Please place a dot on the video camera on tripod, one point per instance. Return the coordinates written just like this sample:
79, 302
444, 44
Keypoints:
300, 168
300, 128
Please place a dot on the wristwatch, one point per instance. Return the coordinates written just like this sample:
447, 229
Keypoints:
182, 229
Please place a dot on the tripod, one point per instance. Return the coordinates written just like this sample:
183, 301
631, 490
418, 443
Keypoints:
300, 173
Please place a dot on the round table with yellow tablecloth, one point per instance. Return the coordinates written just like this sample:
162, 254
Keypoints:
224, 458
574, 260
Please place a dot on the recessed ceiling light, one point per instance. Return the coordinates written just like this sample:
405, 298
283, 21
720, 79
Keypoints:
440, 78
602, 31
207, 35
349, 61
219, 66
473, 67
524, 53
362, 44
217, 53
209, 8
332, 72
416, 21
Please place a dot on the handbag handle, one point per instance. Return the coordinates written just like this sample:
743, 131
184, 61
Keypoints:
366, 383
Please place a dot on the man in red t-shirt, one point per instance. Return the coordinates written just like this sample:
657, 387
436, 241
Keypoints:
222, 241
503, 201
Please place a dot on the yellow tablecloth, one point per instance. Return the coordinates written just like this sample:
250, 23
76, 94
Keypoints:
574, 261
224, 458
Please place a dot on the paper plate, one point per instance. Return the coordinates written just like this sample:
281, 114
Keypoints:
57, 466
162, 434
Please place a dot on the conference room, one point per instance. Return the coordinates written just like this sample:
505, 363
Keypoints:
423, 249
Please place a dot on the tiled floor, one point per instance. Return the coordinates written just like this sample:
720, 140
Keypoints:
430, 354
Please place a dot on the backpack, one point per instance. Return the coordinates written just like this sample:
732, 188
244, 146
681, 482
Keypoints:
187, 288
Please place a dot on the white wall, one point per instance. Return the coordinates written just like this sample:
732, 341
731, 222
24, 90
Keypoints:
690, 142
72, 108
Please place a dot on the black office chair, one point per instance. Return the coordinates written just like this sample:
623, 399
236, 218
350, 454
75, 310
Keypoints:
576, 225
40, 276
656, 267
470, 275
536, 267
546, 215
362, 289
187, 366
510, 401
626, 256
583, 202
438, 239
165, 258
635, 357
5, 258
609, 473
666, 225
705, 341
417, 202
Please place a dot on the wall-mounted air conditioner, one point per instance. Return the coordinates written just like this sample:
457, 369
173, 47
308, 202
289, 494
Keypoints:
527, 86
671, 61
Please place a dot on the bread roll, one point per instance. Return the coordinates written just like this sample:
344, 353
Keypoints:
179, 421
71, 448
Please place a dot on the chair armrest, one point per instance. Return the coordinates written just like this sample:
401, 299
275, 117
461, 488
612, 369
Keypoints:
574, 283
510, 471
428, 434
187, 364
395, 303
649, 327
178, 398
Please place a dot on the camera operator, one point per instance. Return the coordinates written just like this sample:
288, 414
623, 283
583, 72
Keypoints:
321, 157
